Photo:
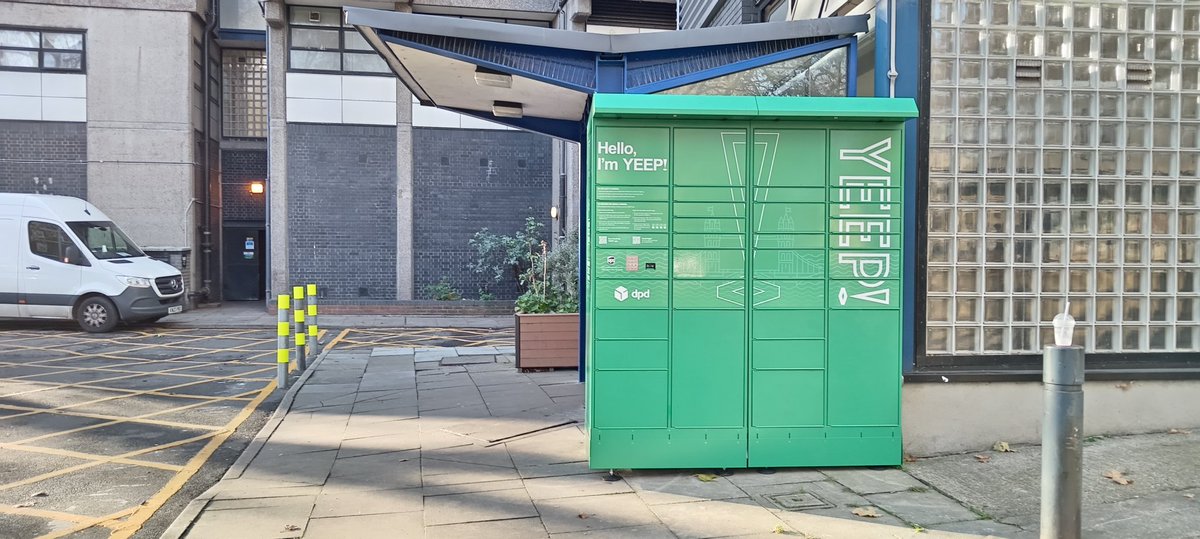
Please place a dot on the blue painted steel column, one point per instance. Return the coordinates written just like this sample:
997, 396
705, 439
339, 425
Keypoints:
583, 256
905, 21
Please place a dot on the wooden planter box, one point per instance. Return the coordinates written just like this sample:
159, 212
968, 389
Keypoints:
547, 341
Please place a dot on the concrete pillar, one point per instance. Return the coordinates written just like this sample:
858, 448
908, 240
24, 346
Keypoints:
277, 206
405, 256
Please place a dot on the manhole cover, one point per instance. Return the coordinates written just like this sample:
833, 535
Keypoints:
799, 501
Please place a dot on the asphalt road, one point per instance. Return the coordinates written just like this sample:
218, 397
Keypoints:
112, 435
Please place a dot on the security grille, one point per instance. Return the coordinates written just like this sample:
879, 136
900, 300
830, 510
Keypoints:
1063, 164
245, 93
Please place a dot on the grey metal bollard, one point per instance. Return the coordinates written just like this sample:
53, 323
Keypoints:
1062, 442
283, 330
301, 332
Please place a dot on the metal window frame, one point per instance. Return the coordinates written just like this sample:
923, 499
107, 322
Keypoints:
942, 368
41, 50
341, 50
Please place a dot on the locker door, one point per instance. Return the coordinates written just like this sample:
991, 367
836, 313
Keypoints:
709, 283
788, 346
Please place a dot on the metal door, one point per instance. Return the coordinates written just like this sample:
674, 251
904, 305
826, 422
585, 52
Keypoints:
48, 284
244, 263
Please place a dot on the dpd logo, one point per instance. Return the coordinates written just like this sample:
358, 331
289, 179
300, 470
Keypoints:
621, 293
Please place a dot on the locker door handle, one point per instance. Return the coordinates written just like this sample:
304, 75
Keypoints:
32, 268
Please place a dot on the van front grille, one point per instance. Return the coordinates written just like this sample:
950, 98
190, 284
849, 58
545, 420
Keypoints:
169, 286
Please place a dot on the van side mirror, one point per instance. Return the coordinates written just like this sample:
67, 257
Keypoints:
73, 256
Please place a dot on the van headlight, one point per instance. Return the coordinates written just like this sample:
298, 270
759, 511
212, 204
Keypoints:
136, 282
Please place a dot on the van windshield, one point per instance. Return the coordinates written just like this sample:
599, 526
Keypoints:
105, 240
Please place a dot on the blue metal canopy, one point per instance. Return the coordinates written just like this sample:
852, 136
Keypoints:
543, 78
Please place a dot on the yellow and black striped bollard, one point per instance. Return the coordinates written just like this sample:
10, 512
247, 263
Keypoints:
310, 300
298, 304
282, 330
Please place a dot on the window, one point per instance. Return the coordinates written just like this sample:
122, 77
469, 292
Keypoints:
821, 74
48, 240
31, 49
245, 93
320, 42
105, 240
1087, 158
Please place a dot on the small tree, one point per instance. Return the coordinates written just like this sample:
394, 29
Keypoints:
500, 256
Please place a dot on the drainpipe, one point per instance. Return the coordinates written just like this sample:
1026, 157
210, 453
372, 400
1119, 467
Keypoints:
206, 271
892, 73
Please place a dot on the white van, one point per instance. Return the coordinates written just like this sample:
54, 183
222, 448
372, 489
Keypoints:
61, 257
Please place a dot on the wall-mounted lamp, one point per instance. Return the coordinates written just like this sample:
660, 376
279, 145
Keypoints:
257, 188
554, 212
507, 109
493, 78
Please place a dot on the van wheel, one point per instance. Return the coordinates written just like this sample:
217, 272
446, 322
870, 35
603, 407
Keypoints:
97, 315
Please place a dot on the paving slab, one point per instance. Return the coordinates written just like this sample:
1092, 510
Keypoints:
753, 478
923, 508
564, 486
308, 468
268, 521
478, 507
444, 472
651, 531
383, 351
352, 503
384, 525
659, 487
582, 513
520, 528
981, 527
874, 481
717, 518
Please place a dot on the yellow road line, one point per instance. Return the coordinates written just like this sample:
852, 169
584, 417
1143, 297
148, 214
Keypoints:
89, 456
91, 464
115, 418
89, 523
42, 513
147, 509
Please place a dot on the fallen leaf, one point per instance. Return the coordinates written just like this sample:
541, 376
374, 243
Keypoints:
1002, 447
706, 477
778, 529
1125, 386
291, 528
1118, 477
584, 516
1179, 431
983, 458
40, 494
866, 512
909, 458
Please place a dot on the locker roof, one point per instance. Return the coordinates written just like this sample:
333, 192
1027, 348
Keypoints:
749, 107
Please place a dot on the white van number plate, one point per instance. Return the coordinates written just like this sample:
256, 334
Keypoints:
175, 310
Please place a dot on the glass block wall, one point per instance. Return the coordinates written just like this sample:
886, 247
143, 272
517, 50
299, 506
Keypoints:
1063, 162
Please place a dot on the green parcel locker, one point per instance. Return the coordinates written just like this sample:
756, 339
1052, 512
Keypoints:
744, 284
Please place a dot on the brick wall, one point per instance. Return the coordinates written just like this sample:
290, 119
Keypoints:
465, 180
46, 150
238, 169
342, 209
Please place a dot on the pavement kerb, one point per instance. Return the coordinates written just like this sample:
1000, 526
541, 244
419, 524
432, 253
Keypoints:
190, 513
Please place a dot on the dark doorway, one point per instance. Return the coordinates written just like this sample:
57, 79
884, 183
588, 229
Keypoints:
244, 253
